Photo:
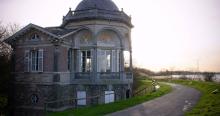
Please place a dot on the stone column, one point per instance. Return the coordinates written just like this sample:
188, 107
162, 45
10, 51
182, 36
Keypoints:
121, 64
131, 64
94, 64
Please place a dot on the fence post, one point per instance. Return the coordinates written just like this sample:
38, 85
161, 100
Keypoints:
45, 108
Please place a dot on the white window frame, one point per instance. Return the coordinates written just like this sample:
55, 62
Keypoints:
39, 61
126, 55
115, 61
88, 67
106, 62
34, 60
40, 57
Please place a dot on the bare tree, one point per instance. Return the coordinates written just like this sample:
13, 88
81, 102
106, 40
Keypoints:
8, 30
209, 76
5, 64
5, 32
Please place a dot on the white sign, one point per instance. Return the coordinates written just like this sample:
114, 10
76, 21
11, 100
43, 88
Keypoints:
109, 96
81, 96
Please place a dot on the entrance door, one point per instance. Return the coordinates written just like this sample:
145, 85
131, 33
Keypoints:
127, 93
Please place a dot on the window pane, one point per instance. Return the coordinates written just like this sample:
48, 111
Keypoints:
88, 54
86, 61
33, 55
37, 60
83, 61
108, 61
104, 60
40, 53
115, 61
40, 60
126, 59
40, 64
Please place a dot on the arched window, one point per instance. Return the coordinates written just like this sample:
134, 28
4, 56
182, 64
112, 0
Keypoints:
108, 38
34, 99
84, 42
83, 38
108, 51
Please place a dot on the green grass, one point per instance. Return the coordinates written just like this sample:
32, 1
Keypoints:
209, 103
141, 84
103, 109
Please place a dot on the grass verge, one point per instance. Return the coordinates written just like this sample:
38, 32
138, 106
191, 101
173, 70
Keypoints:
103, 109
209, 103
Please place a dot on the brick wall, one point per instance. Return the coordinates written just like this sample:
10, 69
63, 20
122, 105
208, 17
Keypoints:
62, 60
48, 53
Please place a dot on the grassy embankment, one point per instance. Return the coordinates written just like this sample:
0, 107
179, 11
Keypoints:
116, 106
209, 103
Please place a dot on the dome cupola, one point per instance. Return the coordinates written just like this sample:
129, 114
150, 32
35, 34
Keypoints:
97, 4
96, 10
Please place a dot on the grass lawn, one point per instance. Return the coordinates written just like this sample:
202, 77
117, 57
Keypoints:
209, 103
103, 109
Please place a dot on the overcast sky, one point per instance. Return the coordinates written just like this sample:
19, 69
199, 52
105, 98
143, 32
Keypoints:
168, 34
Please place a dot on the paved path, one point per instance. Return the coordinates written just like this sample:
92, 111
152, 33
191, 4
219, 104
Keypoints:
177, 102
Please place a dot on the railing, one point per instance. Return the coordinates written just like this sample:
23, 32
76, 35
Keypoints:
72, 102
103, 75
99, 13
129, 75
144, 91
83, 75
109, 75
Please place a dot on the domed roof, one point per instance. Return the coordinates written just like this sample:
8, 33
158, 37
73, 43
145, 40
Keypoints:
97, 4
96, 10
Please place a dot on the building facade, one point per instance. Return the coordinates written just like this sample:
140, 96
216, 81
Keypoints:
88, 55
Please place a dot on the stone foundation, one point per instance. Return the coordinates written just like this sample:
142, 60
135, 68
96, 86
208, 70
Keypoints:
32, 98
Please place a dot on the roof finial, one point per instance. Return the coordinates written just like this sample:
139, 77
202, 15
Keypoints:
70, 9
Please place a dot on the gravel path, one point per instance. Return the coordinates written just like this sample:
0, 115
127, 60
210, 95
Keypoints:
180, 100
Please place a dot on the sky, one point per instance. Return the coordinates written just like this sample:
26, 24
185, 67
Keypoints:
167, 34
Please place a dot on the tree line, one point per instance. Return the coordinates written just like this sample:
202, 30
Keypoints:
5, 64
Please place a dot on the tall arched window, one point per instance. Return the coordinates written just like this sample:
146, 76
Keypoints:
84, 50
108, 51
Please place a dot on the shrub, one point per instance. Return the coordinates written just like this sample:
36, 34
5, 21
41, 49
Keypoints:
3, 103
208, 76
